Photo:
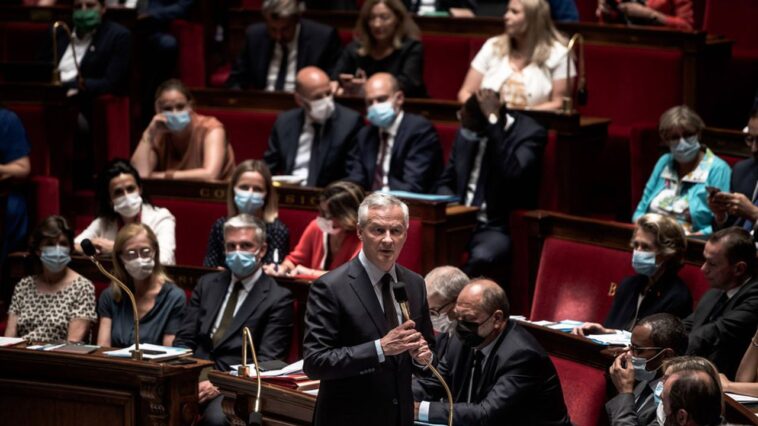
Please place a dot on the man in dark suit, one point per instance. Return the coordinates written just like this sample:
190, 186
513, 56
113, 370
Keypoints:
494, 164
314, 140
353, 342
398, 151
725, 319
223, 303
655, 339
691, 397
276, 49
443, 284
497, 372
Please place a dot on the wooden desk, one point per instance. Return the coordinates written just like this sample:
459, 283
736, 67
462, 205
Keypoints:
569, 346
69, 389
737, 413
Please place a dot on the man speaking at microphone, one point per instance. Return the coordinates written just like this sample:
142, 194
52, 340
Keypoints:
356, 342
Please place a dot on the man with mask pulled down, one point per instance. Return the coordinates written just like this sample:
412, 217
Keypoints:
313, 141
497, 372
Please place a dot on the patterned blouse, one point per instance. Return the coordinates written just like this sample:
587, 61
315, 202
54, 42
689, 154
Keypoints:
277, 238
45, 316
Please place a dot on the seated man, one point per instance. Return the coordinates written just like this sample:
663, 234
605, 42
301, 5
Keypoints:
691, 394
496, 370
314, 140
494, 164
443, 284
398, 151
276, 49
224, 302
654, 339
724, 320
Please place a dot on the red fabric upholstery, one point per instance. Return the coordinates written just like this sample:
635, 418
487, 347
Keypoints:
191, 62
586, 10
474, 45
644, 151
252, 4
410, 257
246, 130
296, 343
518, 285
572, 284
696, 282
583, 391
346, 36
446, 133
21, 41
220, 75
46, 200
111, 124
32, 115
548, 196
445, 64
296, 220
734, 19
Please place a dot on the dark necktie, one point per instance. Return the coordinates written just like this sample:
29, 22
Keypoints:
483, 174
644, 395
313, 164
389, 304
281, 76
748, 224
476, 375
379, 169
718, 308
228, 316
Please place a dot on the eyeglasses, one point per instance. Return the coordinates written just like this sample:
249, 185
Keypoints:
750, 140
637, 349
144, 252
441, 309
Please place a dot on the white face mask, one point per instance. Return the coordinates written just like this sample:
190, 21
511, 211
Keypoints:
322, 109
327, 226
128, 205
440, 323
660, 414
139, 268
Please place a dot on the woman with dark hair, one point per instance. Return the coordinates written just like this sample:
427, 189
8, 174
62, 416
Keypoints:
160, 304
329, 240
121, 202
57, 304
180, 143
250, 191
386, 40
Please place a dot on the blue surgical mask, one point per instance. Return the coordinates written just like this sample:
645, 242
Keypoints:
55, 258
658, 393
686, 149
248, 201
643, 262
177, 121
641, 372
469, 135
382, 114
241, 263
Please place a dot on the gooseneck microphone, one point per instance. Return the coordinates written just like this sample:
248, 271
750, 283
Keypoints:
89, 249
401, 296
255, 418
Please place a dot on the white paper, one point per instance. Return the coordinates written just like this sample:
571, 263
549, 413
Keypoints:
10, 341
624, 338
743, 399
168, 352
294, 368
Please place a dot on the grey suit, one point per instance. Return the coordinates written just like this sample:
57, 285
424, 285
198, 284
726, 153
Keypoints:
621, 408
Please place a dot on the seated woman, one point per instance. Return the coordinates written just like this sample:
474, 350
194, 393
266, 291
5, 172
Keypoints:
160, 304
746, 380
329, 240
528, 64
677, 186
57, 304
181, 144
121, 202
674, 14
14, 170
250, 191
659, 245
387, 40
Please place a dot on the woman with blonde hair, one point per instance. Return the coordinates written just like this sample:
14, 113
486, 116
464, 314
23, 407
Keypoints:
528, 65
160, 303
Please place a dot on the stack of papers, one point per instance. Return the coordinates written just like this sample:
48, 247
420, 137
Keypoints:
743, 399
566, 325
151, 352
291, 376
622, 338
294, 368
10, 341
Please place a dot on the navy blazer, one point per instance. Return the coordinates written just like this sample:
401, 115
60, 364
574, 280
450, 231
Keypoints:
725, 339
744, 178
416, 156
267, 311
518, 386
337, 140
342, 321
514, 167
317, 45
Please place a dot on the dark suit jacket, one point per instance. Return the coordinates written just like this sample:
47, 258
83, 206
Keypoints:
519, 384
317, 45
724, 340
267, 311
342, 321
416, 156
669, 295
744, 177
337, 140
513, 178
168, 10
621, 409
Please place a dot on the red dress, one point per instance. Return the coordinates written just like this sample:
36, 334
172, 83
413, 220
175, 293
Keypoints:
311, 249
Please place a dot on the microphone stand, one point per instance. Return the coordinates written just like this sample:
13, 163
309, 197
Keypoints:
568, 100
56, 78
243, 371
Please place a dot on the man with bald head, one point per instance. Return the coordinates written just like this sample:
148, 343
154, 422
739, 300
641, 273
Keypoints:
496, 370
397, 150
314, 140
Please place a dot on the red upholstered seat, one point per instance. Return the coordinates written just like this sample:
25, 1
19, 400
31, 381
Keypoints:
21, 41
220, 75
346, 36
191, 62
296, 220
410, 257
111, 124
45, 198
549, 185
695, 280
586, 10
246, 130
644, 151
445, 64
296, 343
193, 225
32, 115
583, 391
734, 19
446, 133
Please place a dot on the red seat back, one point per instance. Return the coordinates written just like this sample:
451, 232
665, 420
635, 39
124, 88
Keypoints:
32, 115
22, 41
644, 152
46, 198
194, 219
296, 220
246, 130
696, 282
412, 252
549, 184
735, 19
191, 62
583, 391
111, 125
445, 64
446, 132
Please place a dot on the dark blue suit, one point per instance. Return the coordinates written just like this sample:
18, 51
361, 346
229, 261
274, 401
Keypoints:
415, 160
337, 140
744, 178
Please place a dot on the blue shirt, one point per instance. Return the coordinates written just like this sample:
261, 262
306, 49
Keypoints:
14, 145
563, 11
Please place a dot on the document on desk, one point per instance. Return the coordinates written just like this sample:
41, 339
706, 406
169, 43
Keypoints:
151, 352
10, 341
420, 423
743, 399
623, 338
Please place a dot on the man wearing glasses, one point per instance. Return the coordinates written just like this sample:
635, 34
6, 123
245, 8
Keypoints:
637, 374
224, 302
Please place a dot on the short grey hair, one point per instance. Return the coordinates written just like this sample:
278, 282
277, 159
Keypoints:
381, 200
244, 220
280, 9
447, 281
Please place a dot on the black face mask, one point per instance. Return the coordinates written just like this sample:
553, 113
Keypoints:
467, 331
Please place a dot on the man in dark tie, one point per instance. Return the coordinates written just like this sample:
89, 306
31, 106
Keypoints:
655, 338
497, 372
314, 140
224, 302
725, 319
494, 165
356, 341
276, 49
397, 150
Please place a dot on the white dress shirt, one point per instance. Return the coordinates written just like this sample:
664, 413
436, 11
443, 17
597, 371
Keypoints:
391, 132
375, 276
78, 45
276, 60
247, 287
304, 149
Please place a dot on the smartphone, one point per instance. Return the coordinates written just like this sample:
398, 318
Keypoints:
712, 190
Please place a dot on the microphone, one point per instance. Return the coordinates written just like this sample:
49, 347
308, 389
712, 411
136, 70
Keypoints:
255, 418
581, 84
89, 249
401, 296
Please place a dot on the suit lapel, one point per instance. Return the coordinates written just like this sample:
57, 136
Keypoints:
264, 62
217, 291
372, 155
303, 42
291, 139
253, 300
491, 362
398, 146
361, 285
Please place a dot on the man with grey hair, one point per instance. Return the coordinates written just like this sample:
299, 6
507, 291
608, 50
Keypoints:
443, 284
280, 46
356, 341
224, 302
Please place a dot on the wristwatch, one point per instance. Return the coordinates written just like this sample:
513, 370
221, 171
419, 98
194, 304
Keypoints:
492, 118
